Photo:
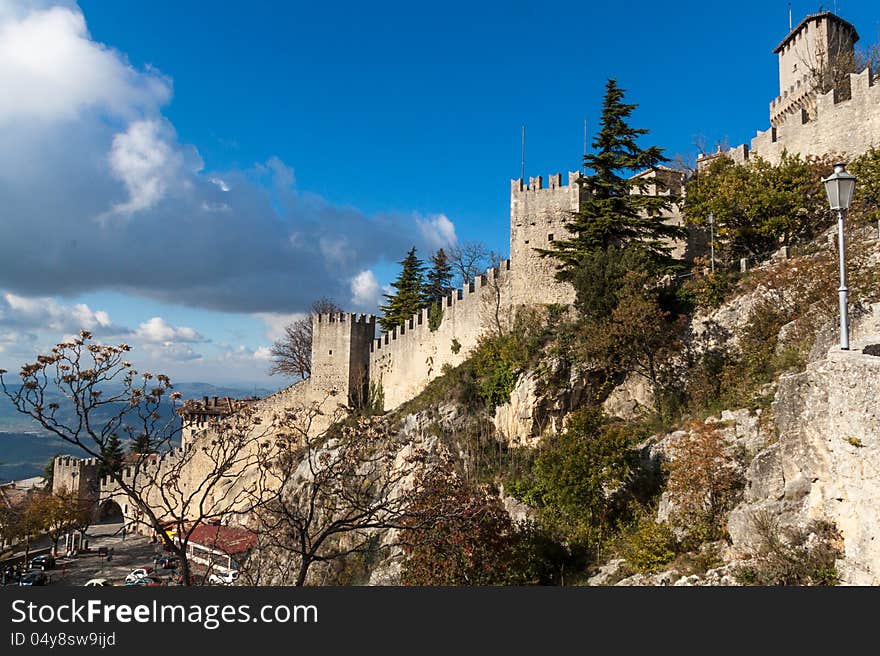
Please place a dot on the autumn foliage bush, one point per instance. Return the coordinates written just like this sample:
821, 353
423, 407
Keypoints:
705, 481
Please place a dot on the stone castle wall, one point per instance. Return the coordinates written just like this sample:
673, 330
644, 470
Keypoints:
405, 360
843, 127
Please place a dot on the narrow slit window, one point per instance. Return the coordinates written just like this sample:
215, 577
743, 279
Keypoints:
550, 237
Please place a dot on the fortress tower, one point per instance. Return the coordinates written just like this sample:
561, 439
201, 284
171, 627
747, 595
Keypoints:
825, 106
537, 218
341, 356
815, 57
77, 475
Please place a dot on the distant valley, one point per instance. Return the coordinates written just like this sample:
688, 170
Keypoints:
25, 447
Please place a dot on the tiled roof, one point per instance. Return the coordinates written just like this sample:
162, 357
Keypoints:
818, 16
230, 540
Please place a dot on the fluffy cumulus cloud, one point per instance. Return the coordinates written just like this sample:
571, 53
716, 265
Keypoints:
437, 231
98, 192
144, 160
28, 315
365, 291
158, 331
52, 70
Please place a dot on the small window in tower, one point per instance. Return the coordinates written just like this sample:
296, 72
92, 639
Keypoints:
331, 351
550, 237
527, 241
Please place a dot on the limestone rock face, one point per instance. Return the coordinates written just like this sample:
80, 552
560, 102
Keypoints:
630, 399
515, 420
826, 463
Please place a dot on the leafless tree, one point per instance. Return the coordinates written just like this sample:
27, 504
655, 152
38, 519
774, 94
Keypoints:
492, 301
468, 259
173, 489
292, 354
338, 491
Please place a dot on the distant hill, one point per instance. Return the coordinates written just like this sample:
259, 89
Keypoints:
25, 447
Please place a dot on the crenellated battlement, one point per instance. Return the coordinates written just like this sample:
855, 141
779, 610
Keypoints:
537, 183
846, 125
456, 304
345, 317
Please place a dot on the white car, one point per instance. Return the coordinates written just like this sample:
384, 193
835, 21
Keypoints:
224, 578
98, 583
138, 574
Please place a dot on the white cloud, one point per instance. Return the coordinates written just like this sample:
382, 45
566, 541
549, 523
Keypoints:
173, 352
83, 137
158, 331
263, 353
145, 163
52, 70
437, 231
42, 313
220, 182
365, 290
276, 322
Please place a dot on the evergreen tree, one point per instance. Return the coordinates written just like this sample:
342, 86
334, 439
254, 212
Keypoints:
142, 444
111, 456
616, 210
439, 279
407, 300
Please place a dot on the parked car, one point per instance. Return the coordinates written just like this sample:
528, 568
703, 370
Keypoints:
139, 573
144, 581
43, 562
35, 578
224, 578
98, 583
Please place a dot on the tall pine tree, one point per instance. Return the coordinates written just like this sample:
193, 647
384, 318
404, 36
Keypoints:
142, 444
407, 300
616, 211
111, 456
439, 280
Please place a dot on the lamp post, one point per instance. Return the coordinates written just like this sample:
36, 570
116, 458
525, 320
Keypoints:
712, 239
840, 186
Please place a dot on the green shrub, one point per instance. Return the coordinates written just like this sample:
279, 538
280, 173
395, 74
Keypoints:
578, 482
648, 546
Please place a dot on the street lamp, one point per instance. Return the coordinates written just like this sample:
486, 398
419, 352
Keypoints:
840, 186
712, 239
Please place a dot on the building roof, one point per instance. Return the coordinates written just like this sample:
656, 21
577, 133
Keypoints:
230, 540
818, 16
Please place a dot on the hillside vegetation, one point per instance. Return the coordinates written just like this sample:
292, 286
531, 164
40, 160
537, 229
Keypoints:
650, 488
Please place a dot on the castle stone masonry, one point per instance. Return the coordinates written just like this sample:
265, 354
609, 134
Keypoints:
844, 120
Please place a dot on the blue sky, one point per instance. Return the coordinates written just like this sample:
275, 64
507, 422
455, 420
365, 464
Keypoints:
188, 176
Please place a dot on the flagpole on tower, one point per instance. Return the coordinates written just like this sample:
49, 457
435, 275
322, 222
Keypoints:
522, 165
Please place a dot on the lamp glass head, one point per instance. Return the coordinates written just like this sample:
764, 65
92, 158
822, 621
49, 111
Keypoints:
840, 186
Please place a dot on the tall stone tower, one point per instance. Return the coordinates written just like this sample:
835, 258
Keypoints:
76, 475
815, 57
537, 218
341, 355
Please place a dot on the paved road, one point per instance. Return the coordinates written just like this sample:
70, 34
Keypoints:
126, 554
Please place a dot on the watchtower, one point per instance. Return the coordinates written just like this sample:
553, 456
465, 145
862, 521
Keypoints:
78, 476
341, 355
538, 216
814, 58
